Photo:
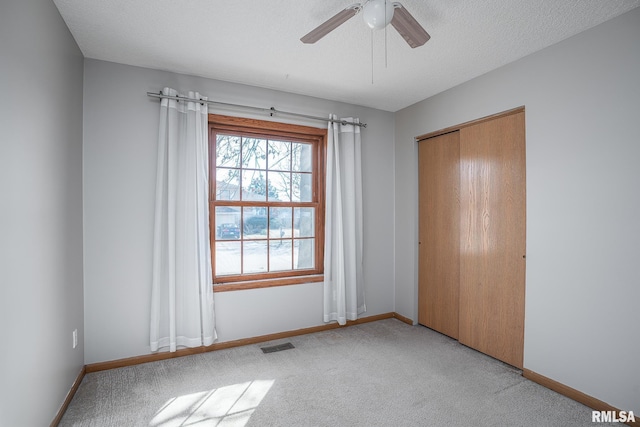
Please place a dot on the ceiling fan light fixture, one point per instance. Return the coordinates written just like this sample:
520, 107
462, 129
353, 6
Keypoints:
377, 13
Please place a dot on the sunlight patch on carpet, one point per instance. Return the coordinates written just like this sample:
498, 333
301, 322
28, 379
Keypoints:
225, 406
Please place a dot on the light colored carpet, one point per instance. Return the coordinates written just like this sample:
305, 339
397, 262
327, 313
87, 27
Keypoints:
383, 373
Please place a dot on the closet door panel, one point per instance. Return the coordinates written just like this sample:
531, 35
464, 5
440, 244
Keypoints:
439, 231
492, 237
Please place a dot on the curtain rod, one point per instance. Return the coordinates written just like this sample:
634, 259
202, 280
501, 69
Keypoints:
271, 110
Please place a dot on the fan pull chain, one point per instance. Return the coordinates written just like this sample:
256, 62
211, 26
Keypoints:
371, 56
385, 47
385, 34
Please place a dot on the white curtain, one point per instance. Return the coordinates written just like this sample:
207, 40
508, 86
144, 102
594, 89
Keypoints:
343, 282
182, 291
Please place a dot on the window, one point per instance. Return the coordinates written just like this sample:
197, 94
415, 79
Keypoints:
266, 202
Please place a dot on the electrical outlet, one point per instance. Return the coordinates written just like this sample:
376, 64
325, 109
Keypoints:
75, 338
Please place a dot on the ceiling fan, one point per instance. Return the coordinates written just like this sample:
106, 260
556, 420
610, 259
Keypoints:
377, 14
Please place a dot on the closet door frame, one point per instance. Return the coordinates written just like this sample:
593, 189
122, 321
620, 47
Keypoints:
461, 126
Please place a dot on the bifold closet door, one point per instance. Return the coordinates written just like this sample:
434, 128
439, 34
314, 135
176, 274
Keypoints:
439, 231
492, 237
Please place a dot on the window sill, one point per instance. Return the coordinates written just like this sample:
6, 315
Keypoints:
267, 283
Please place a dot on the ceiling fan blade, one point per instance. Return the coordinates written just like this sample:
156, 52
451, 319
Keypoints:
408, 27
331, 24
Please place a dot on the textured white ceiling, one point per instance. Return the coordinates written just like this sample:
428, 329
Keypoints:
257, 42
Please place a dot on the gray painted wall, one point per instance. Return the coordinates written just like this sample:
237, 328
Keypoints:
41, 301
121, 127
583, 203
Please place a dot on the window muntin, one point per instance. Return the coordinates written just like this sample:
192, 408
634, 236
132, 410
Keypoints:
267, 200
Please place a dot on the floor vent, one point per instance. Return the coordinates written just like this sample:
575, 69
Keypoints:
279, 347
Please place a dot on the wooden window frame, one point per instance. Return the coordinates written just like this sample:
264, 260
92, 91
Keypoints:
270, 130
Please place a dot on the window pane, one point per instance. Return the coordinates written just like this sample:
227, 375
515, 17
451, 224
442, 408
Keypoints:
254, 257
279, 186
228, 151
254, 153
302, 187
303, 254
227, 184
304, 222
302, 157
254, 223
280, 220
254, 185
227, 223
279, 155
227, 258
280, 256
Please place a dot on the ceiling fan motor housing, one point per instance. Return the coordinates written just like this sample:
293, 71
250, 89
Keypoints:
377, 13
